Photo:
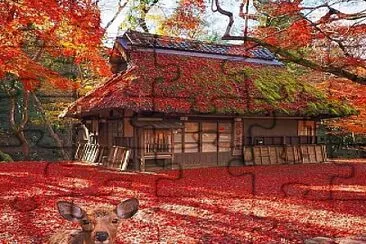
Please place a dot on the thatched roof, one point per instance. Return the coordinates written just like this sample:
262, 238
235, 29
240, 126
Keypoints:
163, 80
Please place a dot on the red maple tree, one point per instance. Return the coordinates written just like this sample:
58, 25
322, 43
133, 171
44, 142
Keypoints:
325, 36
32, 32
59, 28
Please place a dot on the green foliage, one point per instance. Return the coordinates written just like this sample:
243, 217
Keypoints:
279, 86
5, 157
276, 85
341, 144
65, 66
137, 12
330, 108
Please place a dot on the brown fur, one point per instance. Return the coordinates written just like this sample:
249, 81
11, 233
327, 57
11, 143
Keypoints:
100, 219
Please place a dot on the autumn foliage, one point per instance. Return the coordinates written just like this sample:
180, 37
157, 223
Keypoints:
259, 204
31, 29
320, 36
188, 16
182, 84
326, 36
347, 91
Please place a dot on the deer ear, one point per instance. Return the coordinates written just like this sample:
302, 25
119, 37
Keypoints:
127, 208
70, 211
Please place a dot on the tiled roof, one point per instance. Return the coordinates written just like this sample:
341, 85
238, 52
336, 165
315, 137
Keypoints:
139, 39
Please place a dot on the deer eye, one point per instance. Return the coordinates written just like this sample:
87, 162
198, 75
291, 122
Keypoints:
85, 222
115, 221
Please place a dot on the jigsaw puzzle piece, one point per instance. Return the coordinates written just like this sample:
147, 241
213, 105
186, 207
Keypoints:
330, 182
188, 183
88, 183
350, 186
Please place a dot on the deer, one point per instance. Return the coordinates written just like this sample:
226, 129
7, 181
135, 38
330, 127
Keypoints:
98, 226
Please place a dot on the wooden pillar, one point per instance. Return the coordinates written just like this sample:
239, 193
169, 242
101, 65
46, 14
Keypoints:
172, 147
135, 149
140, 149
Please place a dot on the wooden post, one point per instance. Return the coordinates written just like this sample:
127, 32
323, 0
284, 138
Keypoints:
172, 146
125, 159
141, 148
260, 154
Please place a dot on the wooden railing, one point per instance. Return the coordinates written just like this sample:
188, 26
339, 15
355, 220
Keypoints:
114, 157
285, 154
279, 140
90, 153
157, 148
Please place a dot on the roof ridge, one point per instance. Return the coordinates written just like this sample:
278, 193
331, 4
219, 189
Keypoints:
180, 38
149, 40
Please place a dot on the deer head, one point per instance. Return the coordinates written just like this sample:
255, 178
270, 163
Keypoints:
99, 226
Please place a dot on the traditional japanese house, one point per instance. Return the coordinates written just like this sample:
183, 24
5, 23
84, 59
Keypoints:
178, 102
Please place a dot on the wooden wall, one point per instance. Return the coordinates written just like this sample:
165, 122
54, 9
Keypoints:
279, 127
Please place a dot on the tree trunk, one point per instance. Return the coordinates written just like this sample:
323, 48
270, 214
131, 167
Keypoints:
18, 129
24, 142
50, 130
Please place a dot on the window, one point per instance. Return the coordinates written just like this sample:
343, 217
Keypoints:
306, 128
191, 127
178, 137
209, 137
225, 131
212, 137
191, 137
178, 147
115, 131
209, 127
191, 147
157, 140
238, 137
116, 128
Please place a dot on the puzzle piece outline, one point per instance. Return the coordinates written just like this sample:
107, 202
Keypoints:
333, 178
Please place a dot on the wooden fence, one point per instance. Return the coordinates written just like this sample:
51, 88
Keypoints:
115, 157
286, 154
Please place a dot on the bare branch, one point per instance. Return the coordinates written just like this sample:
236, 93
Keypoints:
119, 10
226, 13
293, 56
288, 56
145, 11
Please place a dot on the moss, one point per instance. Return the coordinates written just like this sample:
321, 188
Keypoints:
275, 85
278, 86
5, 157
331, 108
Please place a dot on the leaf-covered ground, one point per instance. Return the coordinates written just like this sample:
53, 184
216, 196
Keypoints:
262, 204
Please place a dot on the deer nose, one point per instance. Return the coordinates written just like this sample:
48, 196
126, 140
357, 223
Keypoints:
101, 236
